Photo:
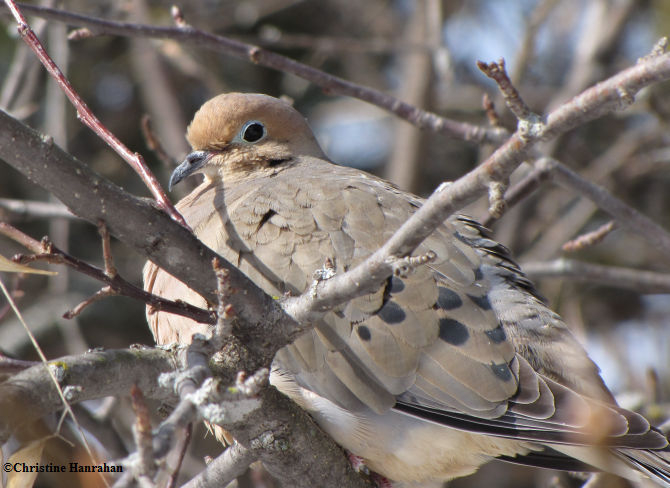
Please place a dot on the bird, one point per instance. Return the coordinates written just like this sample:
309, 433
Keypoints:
455, 363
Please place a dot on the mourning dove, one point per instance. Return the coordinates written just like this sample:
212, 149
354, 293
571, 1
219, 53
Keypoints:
436, 373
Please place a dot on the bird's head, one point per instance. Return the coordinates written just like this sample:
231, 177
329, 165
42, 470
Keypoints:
237, 134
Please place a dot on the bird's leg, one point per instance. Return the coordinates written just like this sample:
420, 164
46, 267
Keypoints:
358, 463
380, 481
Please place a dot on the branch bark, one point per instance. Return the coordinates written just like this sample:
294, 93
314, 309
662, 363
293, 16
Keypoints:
329, 83
151, 232
640, 281
88, 376
266, 327
139, 224
611, 94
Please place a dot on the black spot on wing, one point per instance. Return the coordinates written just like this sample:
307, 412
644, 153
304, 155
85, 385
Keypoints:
478, 274
397, 285
392, 313
453, 332
502, 371
462, 238
482, 302
267, 216
363, 332
448, 299
496, 335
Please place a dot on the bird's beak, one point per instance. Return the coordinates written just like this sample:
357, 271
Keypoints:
192, 163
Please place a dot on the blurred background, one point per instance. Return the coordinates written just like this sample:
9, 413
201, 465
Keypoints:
422, 51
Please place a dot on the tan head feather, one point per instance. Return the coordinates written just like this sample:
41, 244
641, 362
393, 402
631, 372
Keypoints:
219, 121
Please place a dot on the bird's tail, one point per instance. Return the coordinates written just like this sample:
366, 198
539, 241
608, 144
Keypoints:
636, 465
653, 463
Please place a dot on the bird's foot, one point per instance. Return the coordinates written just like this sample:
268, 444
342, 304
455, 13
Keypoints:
358, 463
380, 481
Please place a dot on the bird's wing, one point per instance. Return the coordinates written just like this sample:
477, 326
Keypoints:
463, 341
560, 397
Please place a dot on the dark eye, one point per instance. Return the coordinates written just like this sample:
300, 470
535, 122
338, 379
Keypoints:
253, 131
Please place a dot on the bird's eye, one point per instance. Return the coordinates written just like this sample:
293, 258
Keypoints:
253, 131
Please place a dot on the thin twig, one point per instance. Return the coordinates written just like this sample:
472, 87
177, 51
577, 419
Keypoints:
496, 200
16, 294
490, 109
66, 405
498, 73
590, 239
625, 215
21, 68
529, 126
329, 83
598, 170
142, 434
590, 104
80, 34
104, 292
271, 37
85, 114
24, 239
10, 366
193, 264
34, 387
110, 269
230, 464
521, 190
155, 145
632, 279
35, 209
186, 384
46, 251
659, 49
180, 448
527, 48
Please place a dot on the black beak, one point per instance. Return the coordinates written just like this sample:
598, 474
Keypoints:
192, 163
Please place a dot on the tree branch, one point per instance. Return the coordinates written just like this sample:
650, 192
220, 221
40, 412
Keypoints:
267, 329
595, 101
136, 222
27, 209
45, 251
637, 280
80, 378
329, 83
629, 218
88, 118
230, 464
179, 253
